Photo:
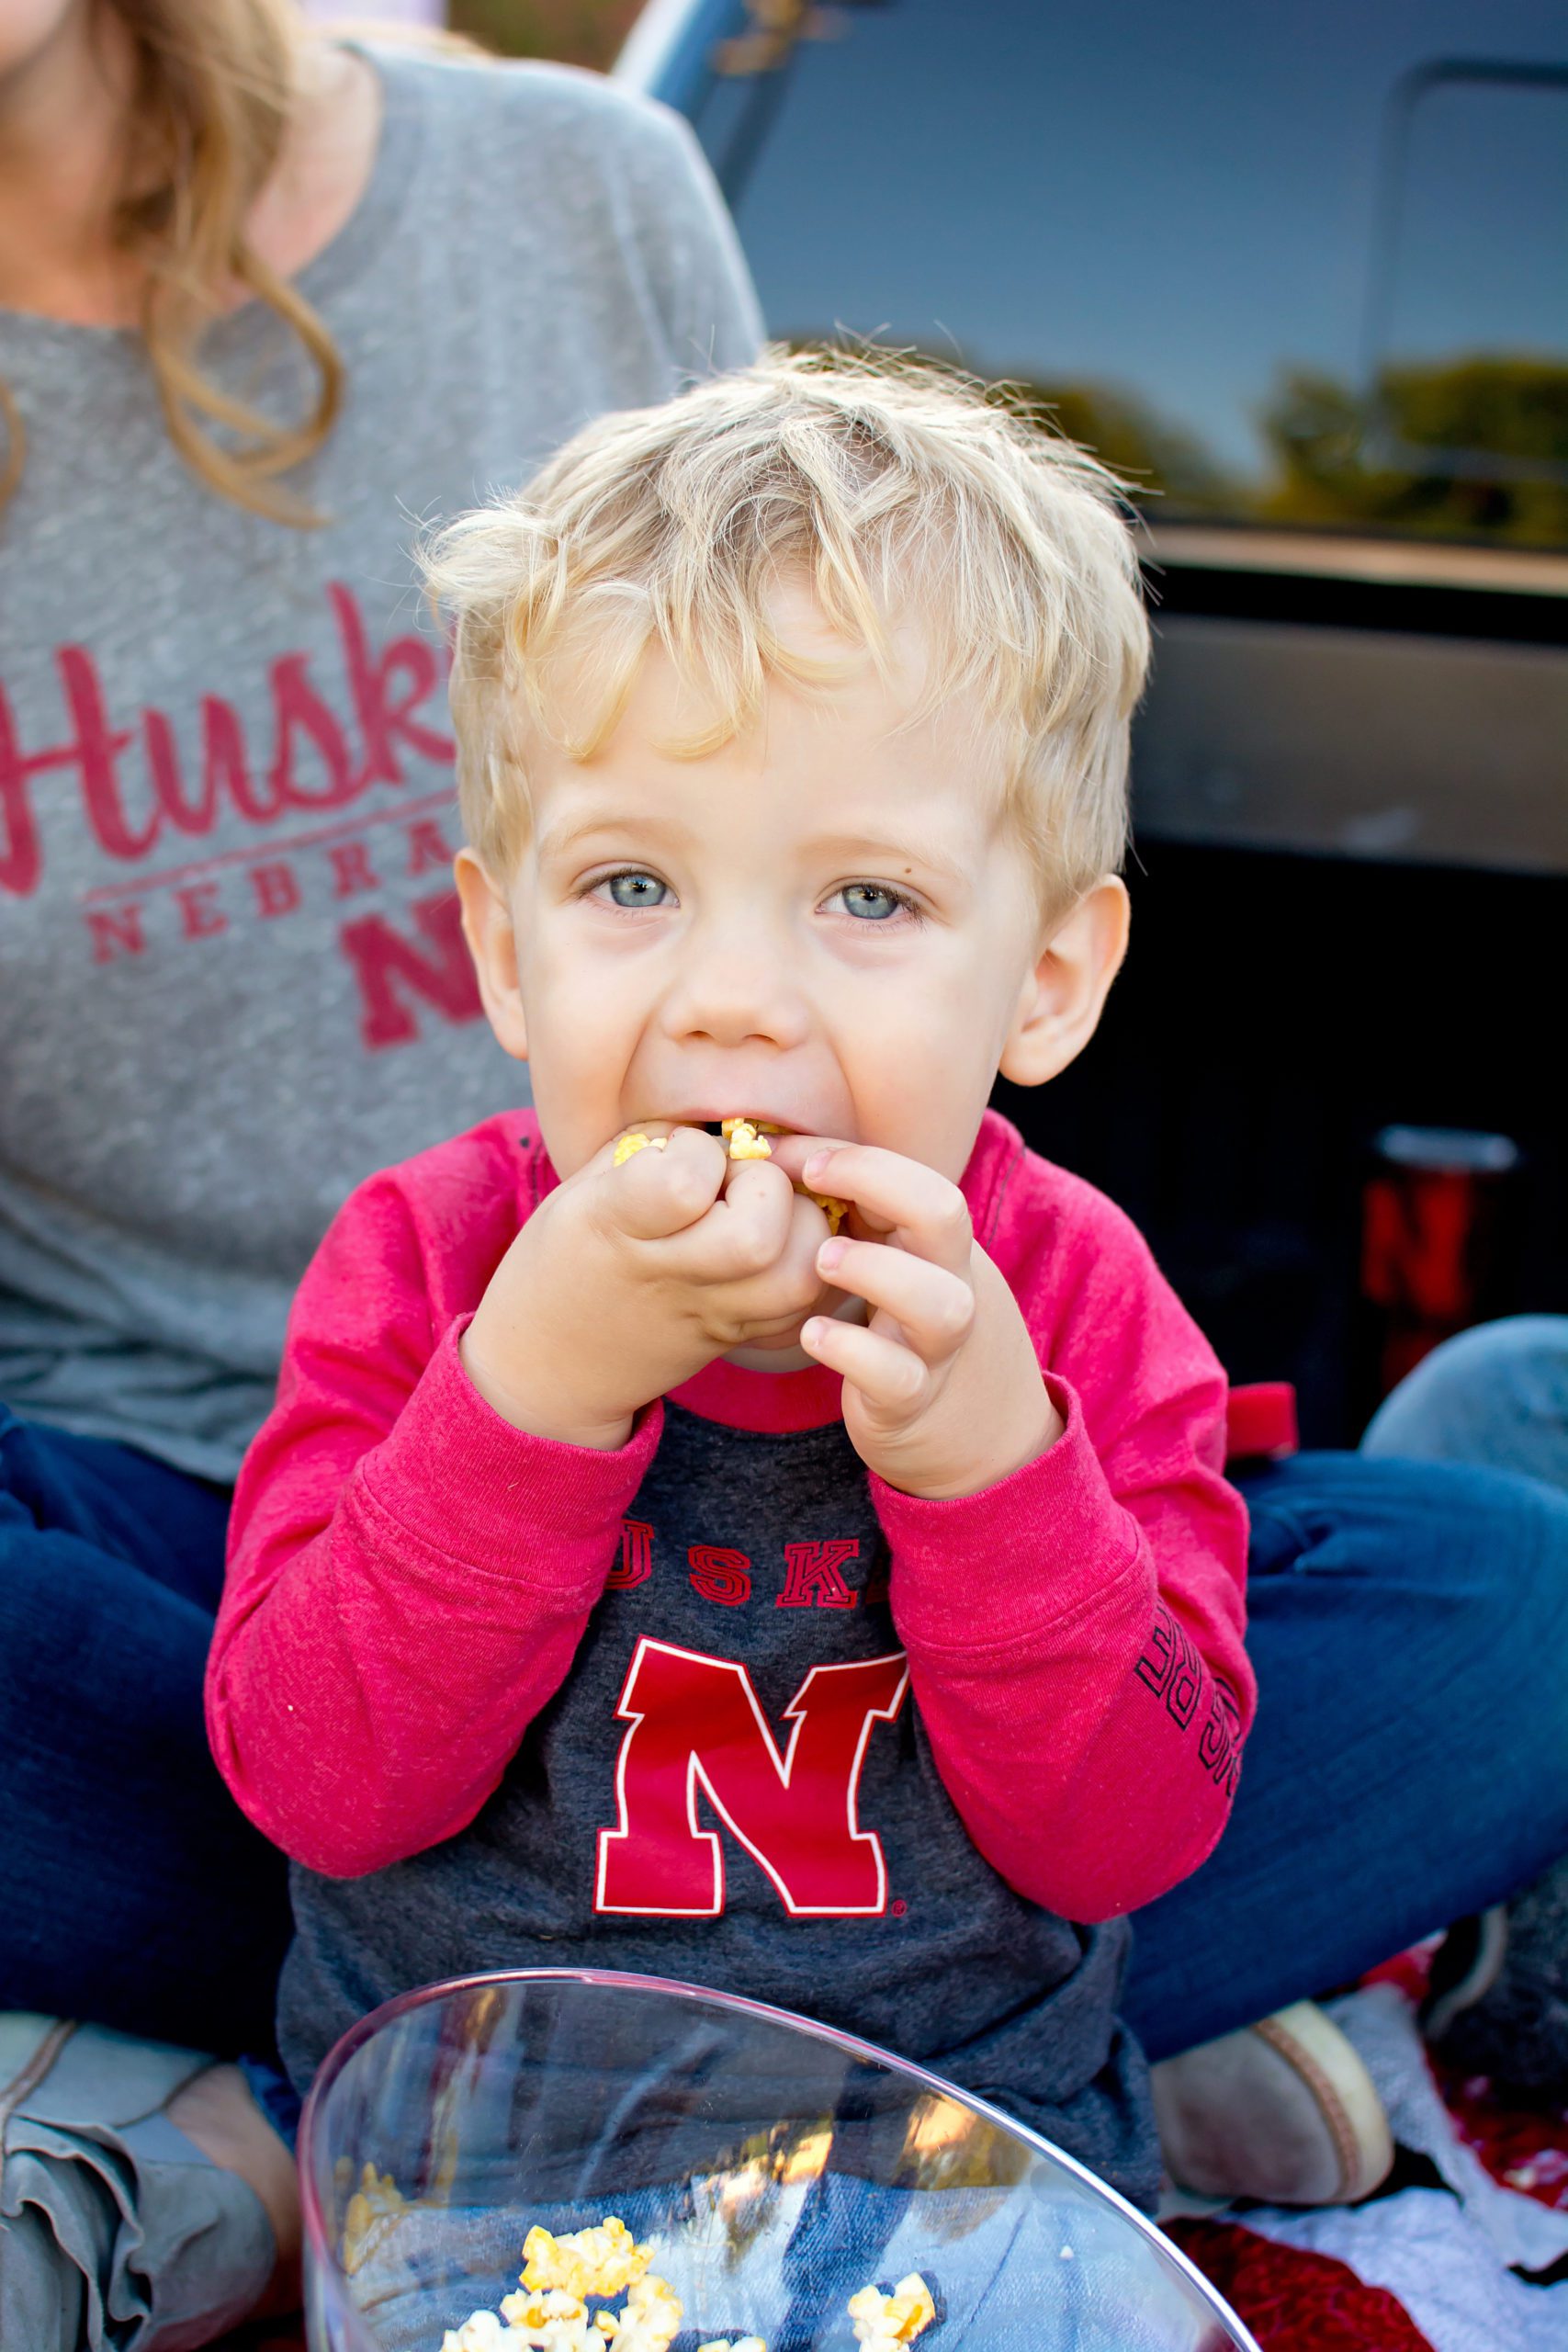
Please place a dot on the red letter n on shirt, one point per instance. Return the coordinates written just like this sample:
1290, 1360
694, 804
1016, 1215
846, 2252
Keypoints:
696, 1726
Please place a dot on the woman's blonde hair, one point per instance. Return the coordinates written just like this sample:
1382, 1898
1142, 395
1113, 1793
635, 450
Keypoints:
213, 89
901, 492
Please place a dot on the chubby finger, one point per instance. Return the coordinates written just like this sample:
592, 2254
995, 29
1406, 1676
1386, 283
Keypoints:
791, 1153
889, 1376
893, 1194
932, 1307
746, 1227
656, 1194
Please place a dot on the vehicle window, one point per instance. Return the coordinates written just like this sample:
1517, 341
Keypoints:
1303, 265
1467, 340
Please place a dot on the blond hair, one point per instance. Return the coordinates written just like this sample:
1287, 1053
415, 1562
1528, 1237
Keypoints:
900, 491
214, 86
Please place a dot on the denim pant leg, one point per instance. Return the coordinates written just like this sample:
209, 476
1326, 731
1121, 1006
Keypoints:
1497, 1394
1409, 1763
135, 1894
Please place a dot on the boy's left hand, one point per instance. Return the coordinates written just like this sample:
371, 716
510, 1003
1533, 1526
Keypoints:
942, 1390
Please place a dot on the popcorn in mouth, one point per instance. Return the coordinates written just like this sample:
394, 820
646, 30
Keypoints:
745, 1139
629, 1146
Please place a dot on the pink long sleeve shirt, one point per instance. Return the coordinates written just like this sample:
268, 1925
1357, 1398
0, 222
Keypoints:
721, 1705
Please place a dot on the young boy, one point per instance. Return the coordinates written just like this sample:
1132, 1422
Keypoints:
633, 1572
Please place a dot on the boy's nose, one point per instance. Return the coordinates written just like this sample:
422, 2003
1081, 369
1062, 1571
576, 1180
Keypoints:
734, 988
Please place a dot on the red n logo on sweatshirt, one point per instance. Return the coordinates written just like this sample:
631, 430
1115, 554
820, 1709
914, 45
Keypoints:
694, 1724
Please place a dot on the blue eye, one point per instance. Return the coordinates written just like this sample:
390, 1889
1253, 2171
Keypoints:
871, 902
635, 889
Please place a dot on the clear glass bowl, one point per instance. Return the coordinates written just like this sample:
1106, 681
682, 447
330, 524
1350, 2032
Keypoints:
778, 2165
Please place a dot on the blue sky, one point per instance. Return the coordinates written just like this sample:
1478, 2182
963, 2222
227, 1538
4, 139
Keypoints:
1177, 199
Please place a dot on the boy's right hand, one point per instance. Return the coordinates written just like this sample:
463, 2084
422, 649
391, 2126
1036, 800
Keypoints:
626, 1281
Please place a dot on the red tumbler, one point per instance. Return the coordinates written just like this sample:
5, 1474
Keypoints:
1431, 1223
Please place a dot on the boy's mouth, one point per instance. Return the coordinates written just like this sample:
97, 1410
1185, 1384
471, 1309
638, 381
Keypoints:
745, 1137
720, 1128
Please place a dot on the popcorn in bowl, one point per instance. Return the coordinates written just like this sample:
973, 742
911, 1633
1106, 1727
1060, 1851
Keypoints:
649, 2320
560, 2275
482, 2332
600, 2261
551, 2321
882, 2321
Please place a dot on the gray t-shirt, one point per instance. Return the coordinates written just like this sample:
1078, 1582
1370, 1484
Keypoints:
232, 982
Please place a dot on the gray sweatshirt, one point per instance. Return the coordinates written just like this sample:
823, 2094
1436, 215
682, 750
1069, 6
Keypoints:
232, 981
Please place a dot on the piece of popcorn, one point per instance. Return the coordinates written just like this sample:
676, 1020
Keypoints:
882, 2321
598, 2261
834, 1210
747, 1138
740, 2344
649, 2320
481, 2332
629, 1146
520, 2309
371, 2211
550, 2321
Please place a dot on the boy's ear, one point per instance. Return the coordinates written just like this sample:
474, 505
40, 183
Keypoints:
492, 944
1061, 1002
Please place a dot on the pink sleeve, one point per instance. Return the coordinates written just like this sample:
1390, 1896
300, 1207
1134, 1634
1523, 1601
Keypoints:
1075, 1633
409, 1576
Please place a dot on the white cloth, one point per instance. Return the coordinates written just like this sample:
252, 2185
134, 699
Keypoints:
1452, 2256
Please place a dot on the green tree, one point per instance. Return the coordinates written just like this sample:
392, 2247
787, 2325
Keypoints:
583, 32
1161, 462
1474, 448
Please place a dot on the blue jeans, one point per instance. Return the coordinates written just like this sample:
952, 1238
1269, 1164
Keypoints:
1410, 1761
1408, 1622
135, 1893
1497, 1395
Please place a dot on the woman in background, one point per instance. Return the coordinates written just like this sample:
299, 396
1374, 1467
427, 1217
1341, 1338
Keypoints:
268, 300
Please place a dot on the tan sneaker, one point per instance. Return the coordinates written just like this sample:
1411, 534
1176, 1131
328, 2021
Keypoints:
1283, 2112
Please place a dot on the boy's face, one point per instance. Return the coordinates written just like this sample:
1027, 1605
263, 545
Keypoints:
828, 924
